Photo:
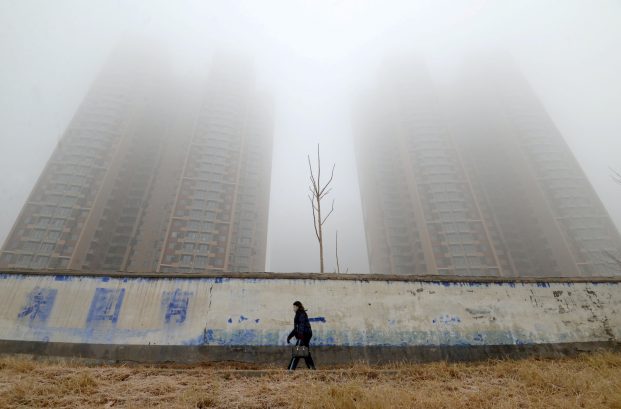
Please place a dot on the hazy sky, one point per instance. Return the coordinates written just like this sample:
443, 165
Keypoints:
313, 56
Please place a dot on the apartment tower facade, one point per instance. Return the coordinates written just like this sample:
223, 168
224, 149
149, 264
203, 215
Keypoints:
459, 187
550, 218
152, 177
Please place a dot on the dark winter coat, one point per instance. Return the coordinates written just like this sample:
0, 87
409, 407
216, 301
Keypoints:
301, 326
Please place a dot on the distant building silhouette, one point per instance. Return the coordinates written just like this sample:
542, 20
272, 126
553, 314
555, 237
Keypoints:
148, 177
481, 183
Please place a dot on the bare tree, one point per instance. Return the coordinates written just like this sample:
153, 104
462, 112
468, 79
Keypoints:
317, 193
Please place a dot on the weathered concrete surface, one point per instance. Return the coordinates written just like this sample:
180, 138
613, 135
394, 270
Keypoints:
374, 318
322, 355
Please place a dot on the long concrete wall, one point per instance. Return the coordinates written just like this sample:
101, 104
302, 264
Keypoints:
362, 317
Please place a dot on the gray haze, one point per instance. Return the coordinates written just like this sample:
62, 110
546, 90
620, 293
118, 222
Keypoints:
313, 56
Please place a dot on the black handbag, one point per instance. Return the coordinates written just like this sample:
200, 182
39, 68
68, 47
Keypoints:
299, 351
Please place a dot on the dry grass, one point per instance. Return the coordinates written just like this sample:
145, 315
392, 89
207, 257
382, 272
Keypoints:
588, 381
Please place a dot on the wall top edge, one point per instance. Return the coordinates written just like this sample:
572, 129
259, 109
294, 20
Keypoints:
317, 276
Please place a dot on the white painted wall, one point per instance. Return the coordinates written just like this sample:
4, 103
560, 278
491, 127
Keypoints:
344, 312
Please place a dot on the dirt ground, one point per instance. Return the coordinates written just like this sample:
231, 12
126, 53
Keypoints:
587, 381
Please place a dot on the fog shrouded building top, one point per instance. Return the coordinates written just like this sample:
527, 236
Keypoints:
150, 176
551, 219
420, 212
219, 218
484, 185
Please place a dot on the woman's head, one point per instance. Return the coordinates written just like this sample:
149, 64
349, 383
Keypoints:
297, 306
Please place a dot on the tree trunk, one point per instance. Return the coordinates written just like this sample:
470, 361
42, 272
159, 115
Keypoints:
320, 239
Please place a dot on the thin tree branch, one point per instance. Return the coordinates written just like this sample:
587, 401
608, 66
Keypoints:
330, 180
325, 193
329, 213
312, 176
312, 193
314, 218
312, 200
338, 267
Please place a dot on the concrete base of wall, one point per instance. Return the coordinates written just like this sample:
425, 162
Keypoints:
323, 355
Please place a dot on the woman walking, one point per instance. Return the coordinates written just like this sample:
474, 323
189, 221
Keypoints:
303, 333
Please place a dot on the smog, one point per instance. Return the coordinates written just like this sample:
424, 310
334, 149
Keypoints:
365, 82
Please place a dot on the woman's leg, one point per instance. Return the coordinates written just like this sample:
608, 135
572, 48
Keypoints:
293, 363
308, 359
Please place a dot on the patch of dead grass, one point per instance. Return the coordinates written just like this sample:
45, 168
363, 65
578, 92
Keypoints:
586, 381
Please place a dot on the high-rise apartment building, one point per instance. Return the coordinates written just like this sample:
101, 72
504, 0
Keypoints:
550, 218
220, 211
486, 187
420, 212
149, 178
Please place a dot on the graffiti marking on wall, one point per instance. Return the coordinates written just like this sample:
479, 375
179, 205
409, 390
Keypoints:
176, 305
39, 304
106, 305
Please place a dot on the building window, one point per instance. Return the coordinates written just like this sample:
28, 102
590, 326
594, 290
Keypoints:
459, 261
24, 260
46, 248
40, 262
